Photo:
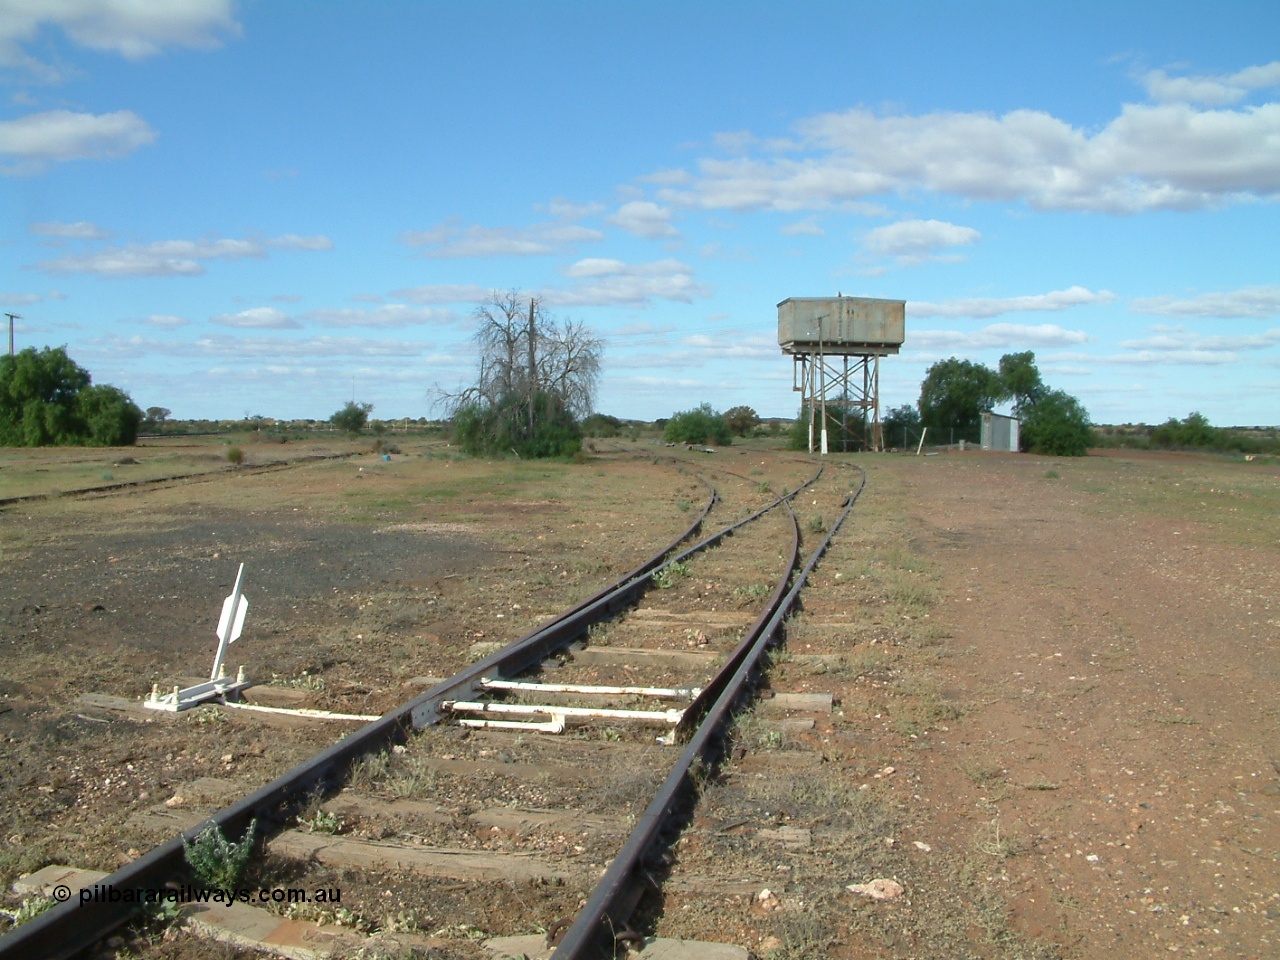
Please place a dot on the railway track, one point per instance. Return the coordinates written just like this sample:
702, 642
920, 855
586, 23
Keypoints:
125, 486
645, 676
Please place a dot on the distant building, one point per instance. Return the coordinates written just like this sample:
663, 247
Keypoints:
1000, 432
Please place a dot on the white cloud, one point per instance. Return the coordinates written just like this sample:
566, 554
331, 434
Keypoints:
164, 320
803, 228
227, 249
276, 347
644, 218
916, 241
19, 299
1213, 91
35, 140
1164, 156
1180, 339
172, 258
451, 241
667, 178
643, 329
982, 307
126, 27
444, 293
1162, 358
270, 348
257, 318
734, 345
613, 282
598, 267
291, 241
1259, 302
564, 209
80, 230
1177, 346
124, 262
734, 141
663, 385
996, 335
387, 315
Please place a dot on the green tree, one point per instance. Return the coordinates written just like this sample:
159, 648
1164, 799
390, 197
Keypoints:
500, 429
741, 420
352, 417
46, 398
537, 376
844, 432
954, 395
1021, 380
1194, 431
702, 424
1057, 425
109, 417
900, 426
601, 425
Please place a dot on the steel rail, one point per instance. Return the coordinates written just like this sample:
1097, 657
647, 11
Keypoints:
592, 933
70, 927
106, 489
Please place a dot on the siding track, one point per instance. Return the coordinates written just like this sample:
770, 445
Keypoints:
695, 621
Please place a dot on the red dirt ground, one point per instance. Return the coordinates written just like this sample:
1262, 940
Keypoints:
1119, 667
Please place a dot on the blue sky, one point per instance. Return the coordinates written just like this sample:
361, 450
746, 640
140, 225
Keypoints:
261, 208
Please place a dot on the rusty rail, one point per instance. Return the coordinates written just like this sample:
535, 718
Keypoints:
70, 927
615, 896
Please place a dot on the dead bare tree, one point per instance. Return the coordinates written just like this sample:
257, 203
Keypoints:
534, 371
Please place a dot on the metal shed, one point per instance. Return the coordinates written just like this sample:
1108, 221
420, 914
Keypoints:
1000, 432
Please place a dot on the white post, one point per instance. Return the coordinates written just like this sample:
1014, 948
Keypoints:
822, 385
920, 446
228, 626
809, 377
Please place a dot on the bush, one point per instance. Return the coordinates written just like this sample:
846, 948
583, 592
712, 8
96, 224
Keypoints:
110, 418
352, 417
503, 428
741, 420
900, 426
235, 455
601, 425
1194, 431
798, 435
46, 398
217, 862
1057, 425
699, 425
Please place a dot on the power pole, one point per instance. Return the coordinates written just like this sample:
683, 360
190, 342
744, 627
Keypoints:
12, 317
533, 368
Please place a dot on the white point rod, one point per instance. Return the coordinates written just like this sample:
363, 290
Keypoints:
224, 637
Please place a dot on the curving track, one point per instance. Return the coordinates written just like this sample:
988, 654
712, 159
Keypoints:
627, 652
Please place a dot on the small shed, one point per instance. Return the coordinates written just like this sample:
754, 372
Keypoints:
1000, 432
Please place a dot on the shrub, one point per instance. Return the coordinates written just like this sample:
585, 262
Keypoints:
47, 398
837, 438
1057, 425
215, 861
235, 455
601, 425
352, 417
504, 428
699, 425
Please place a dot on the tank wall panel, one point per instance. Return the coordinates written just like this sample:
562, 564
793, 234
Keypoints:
842, 320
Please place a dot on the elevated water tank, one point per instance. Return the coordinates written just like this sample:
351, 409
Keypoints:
862, 326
